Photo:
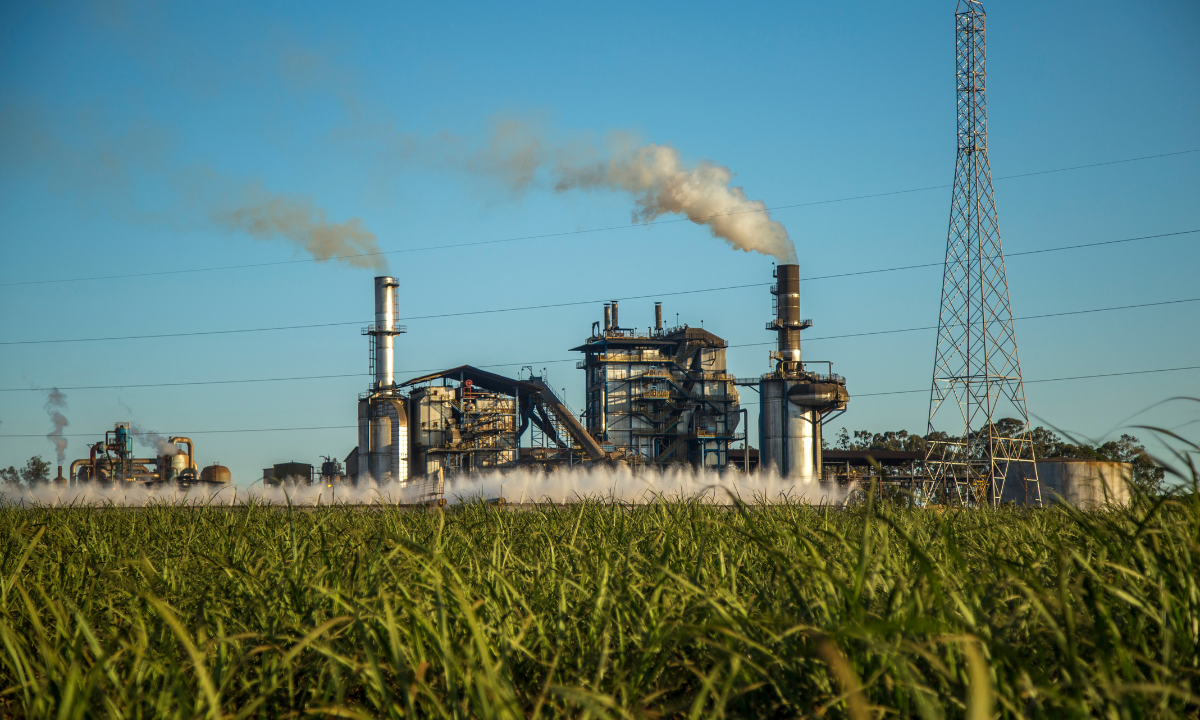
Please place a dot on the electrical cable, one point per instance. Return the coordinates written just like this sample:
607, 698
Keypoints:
1061, 379
579, 232
562, 360
574, 302
861, 395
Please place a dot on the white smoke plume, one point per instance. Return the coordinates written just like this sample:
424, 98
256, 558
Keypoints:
263, 215
662, 184
518, 488
522, 154
102, 168
56, 401
148, 438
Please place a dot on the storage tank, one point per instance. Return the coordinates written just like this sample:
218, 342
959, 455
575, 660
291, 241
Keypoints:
791, 432
1085, 484
216, 474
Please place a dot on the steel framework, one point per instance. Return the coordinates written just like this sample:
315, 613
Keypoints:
975, 367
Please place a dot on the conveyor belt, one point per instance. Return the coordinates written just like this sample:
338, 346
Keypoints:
577, 430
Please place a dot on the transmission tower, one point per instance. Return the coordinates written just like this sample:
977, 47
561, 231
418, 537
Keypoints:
976, 375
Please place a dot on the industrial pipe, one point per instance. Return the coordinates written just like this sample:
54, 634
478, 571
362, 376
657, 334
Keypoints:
658, 316
75, 472
607, 317
616, 324
190, 450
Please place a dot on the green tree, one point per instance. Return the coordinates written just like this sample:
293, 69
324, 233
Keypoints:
9, 476
35, 471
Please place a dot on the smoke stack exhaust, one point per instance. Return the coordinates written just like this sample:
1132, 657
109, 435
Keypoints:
658, 316
787, 322
616, 324
385, 331
788, 292
607, 317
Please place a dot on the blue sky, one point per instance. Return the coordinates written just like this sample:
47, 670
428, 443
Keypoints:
123, 121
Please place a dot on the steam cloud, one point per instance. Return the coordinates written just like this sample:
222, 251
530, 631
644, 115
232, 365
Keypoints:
661, 183
520, 155
297, 220
521, 486
149, 438
56, 401
103, 169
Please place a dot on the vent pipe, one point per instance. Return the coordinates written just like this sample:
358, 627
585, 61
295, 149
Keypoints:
607, 317
616, 324
658, 316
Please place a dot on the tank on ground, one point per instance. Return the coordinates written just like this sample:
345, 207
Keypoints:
216, 475
1085, 484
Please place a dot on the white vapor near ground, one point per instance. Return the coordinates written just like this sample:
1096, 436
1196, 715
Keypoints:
518, 487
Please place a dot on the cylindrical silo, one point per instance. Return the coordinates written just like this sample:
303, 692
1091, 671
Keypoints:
771, 424
1081, 482
800, 452
790, 432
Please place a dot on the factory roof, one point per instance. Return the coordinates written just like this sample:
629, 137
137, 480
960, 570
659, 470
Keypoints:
479, 378
864, 457
686, 334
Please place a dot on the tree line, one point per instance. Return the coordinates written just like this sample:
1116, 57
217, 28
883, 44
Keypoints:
1147, 472
35, 472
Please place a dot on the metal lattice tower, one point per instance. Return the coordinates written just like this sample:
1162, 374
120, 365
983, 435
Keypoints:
975, 368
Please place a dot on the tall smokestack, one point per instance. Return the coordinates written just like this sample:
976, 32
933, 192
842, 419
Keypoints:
788, 291
616, 324
658, 316
385, 331
607, 317
787, 322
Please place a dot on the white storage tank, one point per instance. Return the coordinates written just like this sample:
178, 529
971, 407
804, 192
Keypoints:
1086, 484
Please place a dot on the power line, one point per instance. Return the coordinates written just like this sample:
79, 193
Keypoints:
573, 303
1061, 379
562, 360
569, 233
204, 432
860, 395
1024, 317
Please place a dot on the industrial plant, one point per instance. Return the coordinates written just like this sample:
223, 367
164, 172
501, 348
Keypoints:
113, 461
664, 397
654, 398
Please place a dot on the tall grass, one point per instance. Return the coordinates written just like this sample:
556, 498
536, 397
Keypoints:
602, 610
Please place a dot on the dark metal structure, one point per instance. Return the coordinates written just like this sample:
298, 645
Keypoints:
465, 420
976, 373
659, 397
112, 460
